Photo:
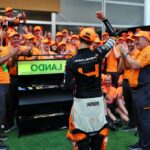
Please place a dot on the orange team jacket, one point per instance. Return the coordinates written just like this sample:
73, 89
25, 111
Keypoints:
4, 75
34, 51
127, 72
112, 62
111, 92
143, 59
50, 53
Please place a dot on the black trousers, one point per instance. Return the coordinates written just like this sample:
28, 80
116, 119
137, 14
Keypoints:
127, 93
141, 100
12, 103
93, 142
4, 98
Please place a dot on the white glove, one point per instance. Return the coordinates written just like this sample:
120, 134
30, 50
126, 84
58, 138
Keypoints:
110, 43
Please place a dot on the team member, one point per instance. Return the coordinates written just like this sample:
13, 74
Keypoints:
87, 119
112, 59
133, 52
4, 85
139, 81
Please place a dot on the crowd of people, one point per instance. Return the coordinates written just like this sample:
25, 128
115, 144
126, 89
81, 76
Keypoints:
120, 73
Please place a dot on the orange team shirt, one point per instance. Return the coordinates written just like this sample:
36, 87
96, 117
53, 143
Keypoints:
47, 57
35, 51
4, 75
13, 70
72, 49
120, 92
127, 72
112, 62
111, 92
143, 59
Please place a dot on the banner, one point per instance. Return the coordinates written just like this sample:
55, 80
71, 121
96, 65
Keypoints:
41, 67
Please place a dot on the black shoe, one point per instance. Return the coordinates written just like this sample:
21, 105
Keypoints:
129, 128
3, 137
136, 133
3, 146
112, 126
9, 128
119, 123
135, 147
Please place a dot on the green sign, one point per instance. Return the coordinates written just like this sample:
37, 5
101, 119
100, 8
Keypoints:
40, 67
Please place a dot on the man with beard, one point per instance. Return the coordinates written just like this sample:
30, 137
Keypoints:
139, 81
133, 52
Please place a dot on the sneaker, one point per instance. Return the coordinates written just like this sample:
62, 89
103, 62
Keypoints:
135, 147
3, 137
119, 123
136, 133
9, 128
3, 146
129, 128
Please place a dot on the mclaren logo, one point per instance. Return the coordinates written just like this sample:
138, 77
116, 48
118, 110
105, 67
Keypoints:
92, 104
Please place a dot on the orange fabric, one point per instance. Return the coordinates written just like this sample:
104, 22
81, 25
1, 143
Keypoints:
74, 137
144, 60
142, 34
127, 72
105, 133
94, 73
120, 80
111, 92
13, 33
4, 75
112, 63
13, 70
8, 9
22, 48
88, 34
35, 51
119, 91
72, 50
50, 53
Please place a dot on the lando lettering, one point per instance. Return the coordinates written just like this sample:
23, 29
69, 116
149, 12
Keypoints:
46, 67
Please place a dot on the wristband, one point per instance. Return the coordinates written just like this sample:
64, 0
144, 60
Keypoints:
125, 55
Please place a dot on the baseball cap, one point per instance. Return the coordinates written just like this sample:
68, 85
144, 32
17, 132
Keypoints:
74, 36
64, 30
61, 43
53, 42
88, 34
124, 34
37, 28
97, 40
142, 34
45, 41
29, 36
59, 34
8, 9
130, 33
130, 38
13, 33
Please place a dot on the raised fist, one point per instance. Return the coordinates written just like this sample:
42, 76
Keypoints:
100, 15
